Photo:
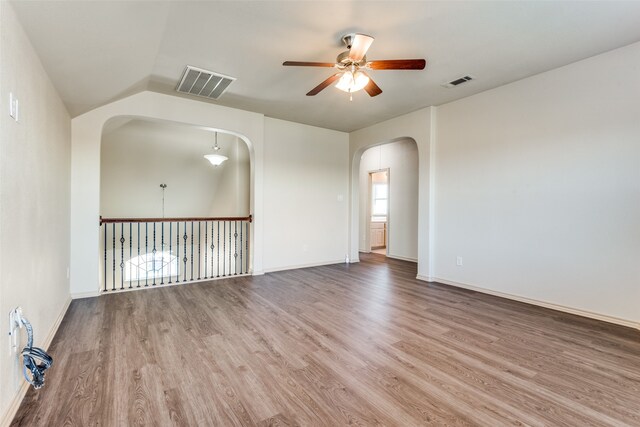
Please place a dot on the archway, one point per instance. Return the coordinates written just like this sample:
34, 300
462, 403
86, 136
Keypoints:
85, 170
388, 207
161, 199
418, 127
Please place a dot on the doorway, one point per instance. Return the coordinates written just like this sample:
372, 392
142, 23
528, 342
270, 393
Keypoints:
379, 211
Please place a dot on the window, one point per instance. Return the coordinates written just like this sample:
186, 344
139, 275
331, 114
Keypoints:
379, 202
150, 265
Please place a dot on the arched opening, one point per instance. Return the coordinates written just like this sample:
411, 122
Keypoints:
85, 172
137, 155
388, 199
168, 214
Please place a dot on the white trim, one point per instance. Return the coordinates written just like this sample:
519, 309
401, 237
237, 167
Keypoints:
166, 284
79, 295
552, 306
425, 278
315, 264
402, 258
17, 398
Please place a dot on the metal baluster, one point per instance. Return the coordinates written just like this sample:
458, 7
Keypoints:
130, 251
218, 252
229, 248
235, 248
105, 257
199, 259
224, 248
121, 255
241, 265
184, 277
177, 252
146, 253
212, 248
170, 261
162, 252
206, 249
113, 257
138, 266
191, 250
246, 244
153, 260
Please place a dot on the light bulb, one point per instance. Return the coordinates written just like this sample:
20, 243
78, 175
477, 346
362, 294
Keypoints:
352, 81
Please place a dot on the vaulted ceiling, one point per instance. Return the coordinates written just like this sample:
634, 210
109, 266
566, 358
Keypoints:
99, 51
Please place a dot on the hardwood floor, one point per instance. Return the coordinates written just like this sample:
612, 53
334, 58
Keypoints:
361, 344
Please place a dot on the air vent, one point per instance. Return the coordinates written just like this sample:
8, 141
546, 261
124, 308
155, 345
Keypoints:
458, 81
199, 82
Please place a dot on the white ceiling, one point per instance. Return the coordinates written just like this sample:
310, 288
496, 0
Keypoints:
99, 51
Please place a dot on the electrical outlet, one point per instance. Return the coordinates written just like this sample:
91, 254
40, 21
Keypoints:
14, 107
15, 323
459, 261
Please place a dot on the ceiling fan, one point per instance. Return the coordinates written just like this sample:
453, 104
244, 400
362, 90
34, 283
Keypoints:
351, 64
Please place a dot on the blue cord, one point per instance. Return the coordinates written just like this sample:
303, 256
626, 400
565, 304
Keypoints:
31, 355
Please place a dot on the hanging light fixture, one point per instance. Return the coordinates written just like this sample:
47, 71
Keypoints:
216, 159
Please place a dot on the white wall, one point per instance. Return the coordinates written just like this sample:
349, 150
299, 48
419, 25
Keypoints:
401, 158
305, 195
34, 202
538, 187
138, 155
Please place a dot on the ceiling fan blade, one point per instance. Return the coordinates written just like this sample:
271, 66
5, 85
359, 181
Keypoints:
359, 47
372, 88
324, 84
398, 64
308, 64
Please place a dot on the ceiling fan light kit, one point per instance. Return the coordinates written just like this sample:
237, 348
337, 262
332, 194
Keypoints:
351, 63
352, 81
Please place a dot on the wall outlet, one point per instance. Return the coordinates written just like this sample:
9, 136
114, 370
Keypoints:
459, 261
14, 107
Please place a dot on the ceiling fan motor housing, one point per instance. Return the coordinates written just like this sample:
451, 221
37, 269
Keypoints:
343, 59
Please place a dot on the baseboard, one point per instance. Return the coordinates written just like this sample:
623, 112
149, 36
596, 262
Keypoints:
425, 278
17, 399
402, 258
295, 267
79, 295
545, 304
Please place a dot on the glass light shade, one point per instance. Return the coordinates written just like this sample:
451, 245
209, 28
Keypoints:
352, 82
216, 159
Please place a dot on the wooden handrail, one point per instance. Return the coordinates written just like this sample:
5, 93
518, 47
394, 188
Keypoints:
228, 218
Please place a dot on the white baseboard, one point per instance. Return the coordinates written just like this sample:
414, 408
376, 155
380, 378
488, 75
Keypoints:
17, 399
545, 304
295, 267
79, 295
425, 278
402, 258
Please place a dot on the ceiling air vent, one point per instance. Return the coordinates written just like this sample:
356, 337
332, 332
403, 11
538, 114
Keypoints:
199, 82
458, 81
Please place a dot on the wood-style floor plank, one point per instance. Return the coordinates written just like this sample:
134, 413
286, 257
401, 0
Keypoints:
364, 344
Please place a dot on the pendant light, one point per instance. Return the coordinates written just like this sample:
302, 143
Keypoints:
216, 159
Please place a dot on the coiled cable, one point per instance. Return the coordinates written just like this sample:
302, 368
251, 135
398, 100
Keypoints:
31, 356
